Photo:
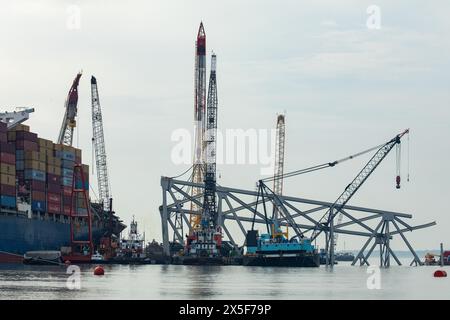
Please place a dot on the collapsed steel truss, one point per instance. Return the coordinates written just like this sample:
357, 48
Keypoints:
238, 206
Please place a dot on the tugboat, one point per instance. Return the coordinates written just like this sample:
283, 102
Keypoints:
131, 249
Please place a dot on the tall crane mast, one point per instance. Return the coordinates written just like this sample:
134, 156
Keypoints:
199, 118
209, 214
69, 121
98, 140
205, 241
279, 160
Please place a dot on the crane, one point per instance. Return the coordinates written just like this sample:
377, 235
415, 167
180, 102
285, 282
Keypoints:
98, 140
69, 120
279, 163
326, 223
354, 186
199, 118
351, 189
16, 117
209, 200
205, 241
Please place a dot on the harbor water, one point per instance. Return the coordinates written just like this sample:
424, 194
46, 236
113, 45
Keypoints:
222, 282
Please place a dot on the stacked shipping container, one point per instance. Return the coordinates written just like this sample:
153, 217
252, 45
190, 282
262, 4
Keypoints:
7, 171
39, 173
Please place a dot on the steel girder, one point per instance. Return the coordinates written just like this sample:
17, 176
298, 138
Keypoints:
238, 205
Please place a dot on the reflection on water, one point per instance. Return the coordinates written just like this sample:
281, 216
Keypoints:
220, 282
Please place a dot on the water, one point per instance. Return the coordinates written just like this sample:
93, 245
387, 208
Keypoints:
221, 282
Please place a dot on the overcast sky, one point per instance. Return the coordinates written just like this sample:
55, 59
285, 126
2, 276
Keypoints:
344, 87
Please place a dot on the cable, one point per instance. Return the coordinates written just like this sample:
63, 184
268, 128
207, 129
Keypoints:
174, 177
322, 166
408, 159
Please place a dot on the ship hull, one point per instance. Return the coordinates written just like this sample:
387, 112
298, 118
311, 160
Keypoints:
287, 260
20, 234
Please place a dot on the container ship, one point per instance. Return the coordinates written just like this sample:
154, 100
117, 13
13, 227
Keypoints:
36, 195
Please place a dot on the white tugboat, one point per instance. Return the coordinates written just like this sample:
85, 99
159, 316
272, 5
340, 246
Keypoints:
131, 249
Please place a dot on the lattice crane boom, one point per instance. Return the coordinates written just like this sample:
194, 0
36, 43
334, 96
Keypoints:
209, 201
98, 140
198, 173
357, 182
69, 121
279, 159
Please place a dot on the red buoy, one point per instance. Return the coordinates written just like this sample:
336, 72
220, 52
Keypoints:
99, 271
440, 274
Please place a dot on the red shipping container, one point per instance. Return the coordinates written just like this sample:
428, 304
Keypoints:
54, 208
66, 210
8, 158
37, 185
6, 190
67, 191
54, 188
27, 145
38, 195
54, 198
67, 200
7, 148
53, 178
27, 136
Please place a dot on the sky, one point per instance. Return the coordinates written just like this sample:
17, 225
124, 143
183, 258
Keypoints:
344, 87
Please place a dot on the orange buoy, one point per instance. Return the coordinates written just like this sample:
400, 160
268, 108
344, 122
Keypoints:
99, 271
440, 274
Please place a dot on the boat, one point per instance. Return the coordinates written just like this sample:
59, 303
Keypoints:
344, 256
131, 249
203, 247
36, 187
43, 258
433, 259
97, 257
277, 251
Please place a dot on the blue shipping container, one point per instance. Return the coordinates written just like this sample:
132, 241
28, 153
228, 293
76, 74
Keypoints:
66, 181
68, 155
67, 164
67, 172
35, 175
78, 185
65, 155
38, 206
20, 165
20, 155
8, 201
81, 212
